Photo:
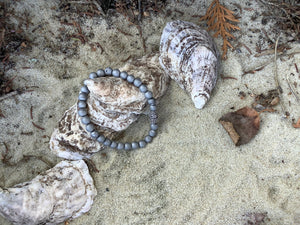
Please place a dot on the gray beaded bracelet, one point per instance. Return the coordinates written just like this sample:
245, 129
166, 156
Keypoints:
90, 127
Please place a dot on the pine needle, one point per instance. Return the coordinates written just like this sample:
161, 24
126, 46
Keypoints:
220, 20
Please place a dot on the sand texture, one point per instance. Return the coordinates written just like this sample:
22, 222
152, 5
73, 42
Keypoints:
192, 173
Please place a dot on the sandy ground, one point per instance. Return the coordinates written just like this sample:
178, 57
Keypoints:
192, 173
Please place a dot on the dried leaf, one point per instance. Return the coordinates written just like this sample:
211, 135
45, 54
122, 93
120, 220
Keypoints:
219, 19
297, 124
241, 125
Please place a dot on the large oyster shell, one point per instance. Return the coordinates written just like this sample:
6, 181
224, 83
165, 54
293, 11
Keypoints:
113, 104
64, 192
190, 57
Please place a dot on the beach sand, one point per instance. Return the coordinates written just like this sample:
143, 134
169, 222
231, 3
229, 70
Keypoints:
191, 173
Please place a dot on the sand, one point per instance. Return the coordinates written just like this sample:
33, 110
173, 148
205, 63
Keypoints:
192, 173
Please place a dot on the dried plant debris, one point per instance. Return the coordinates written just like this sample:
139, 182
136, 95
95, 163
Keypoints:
241, 125
255, 218
297, 124
220, 20
287, 15
265, 102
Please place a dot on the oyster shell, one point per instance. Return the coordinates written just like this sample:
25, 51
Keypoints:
113, 104
190, 57
64, 192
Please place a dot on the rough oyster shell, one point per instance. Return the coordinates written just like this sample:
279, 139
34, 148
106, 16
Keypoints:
190, 57
64, 192
113, 104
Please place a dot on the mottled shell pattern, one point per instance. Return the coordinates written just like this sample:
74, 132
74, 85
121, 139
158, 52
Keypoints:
190, 57
113, 104
63, 192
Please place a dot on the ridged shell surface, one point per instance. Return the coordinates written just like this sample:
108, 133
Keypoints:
190, 57
113, 104
64, 192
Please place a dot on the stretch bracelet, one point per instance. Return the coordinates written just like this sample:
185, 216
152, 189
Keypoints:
90, 127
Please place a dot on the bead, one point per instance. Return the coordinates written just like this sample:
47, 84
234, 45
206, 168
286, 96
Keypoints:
92, 75
108, 71
82, 112
124, 75
137, 82
85, 120
116, 73
153, 126
90, 127
134, 145
81, 104
120, 146
94, 134
130, 78
101, 139
148, 94
82, 96
152, 133
85, 82
148, 139
100, 73
107, 142
113, 144
153, 107
84, 89
143, 88
142, 144
127, 146
151, 101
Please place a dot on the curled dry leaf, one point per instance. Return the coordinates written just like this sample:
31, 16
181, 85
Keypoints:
297, 124
241, 125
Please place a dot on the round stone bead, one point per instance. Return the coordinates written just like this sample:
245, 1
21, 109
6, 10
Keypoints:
82, 96
148, 139
142, 144
84, 89
137, 82
127, 146
107, 142
153, 107
101, 139
100, 73
116, 73
90, 127
113, 144
94, 134
143, 88
134, 145
120, 146
85, 120
148, 94
81, 104
124, 75
92, 75
152, 133
82, 112
151, 101
108, 71
130, 78
153, 126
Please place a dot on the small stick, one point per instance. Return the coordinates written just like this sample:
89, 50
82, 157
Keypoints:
37, 126
123, 32
292, 89
296, 67
31, 113
223, 77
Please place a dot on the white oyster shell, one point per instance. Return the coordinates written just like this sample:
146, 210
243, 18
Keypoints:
64, 192
190, 57
113, 104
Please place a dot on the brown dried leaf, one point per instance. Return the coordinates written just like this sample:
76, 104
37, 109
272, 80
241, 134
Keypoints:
219, 19
297, 124
241, 125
